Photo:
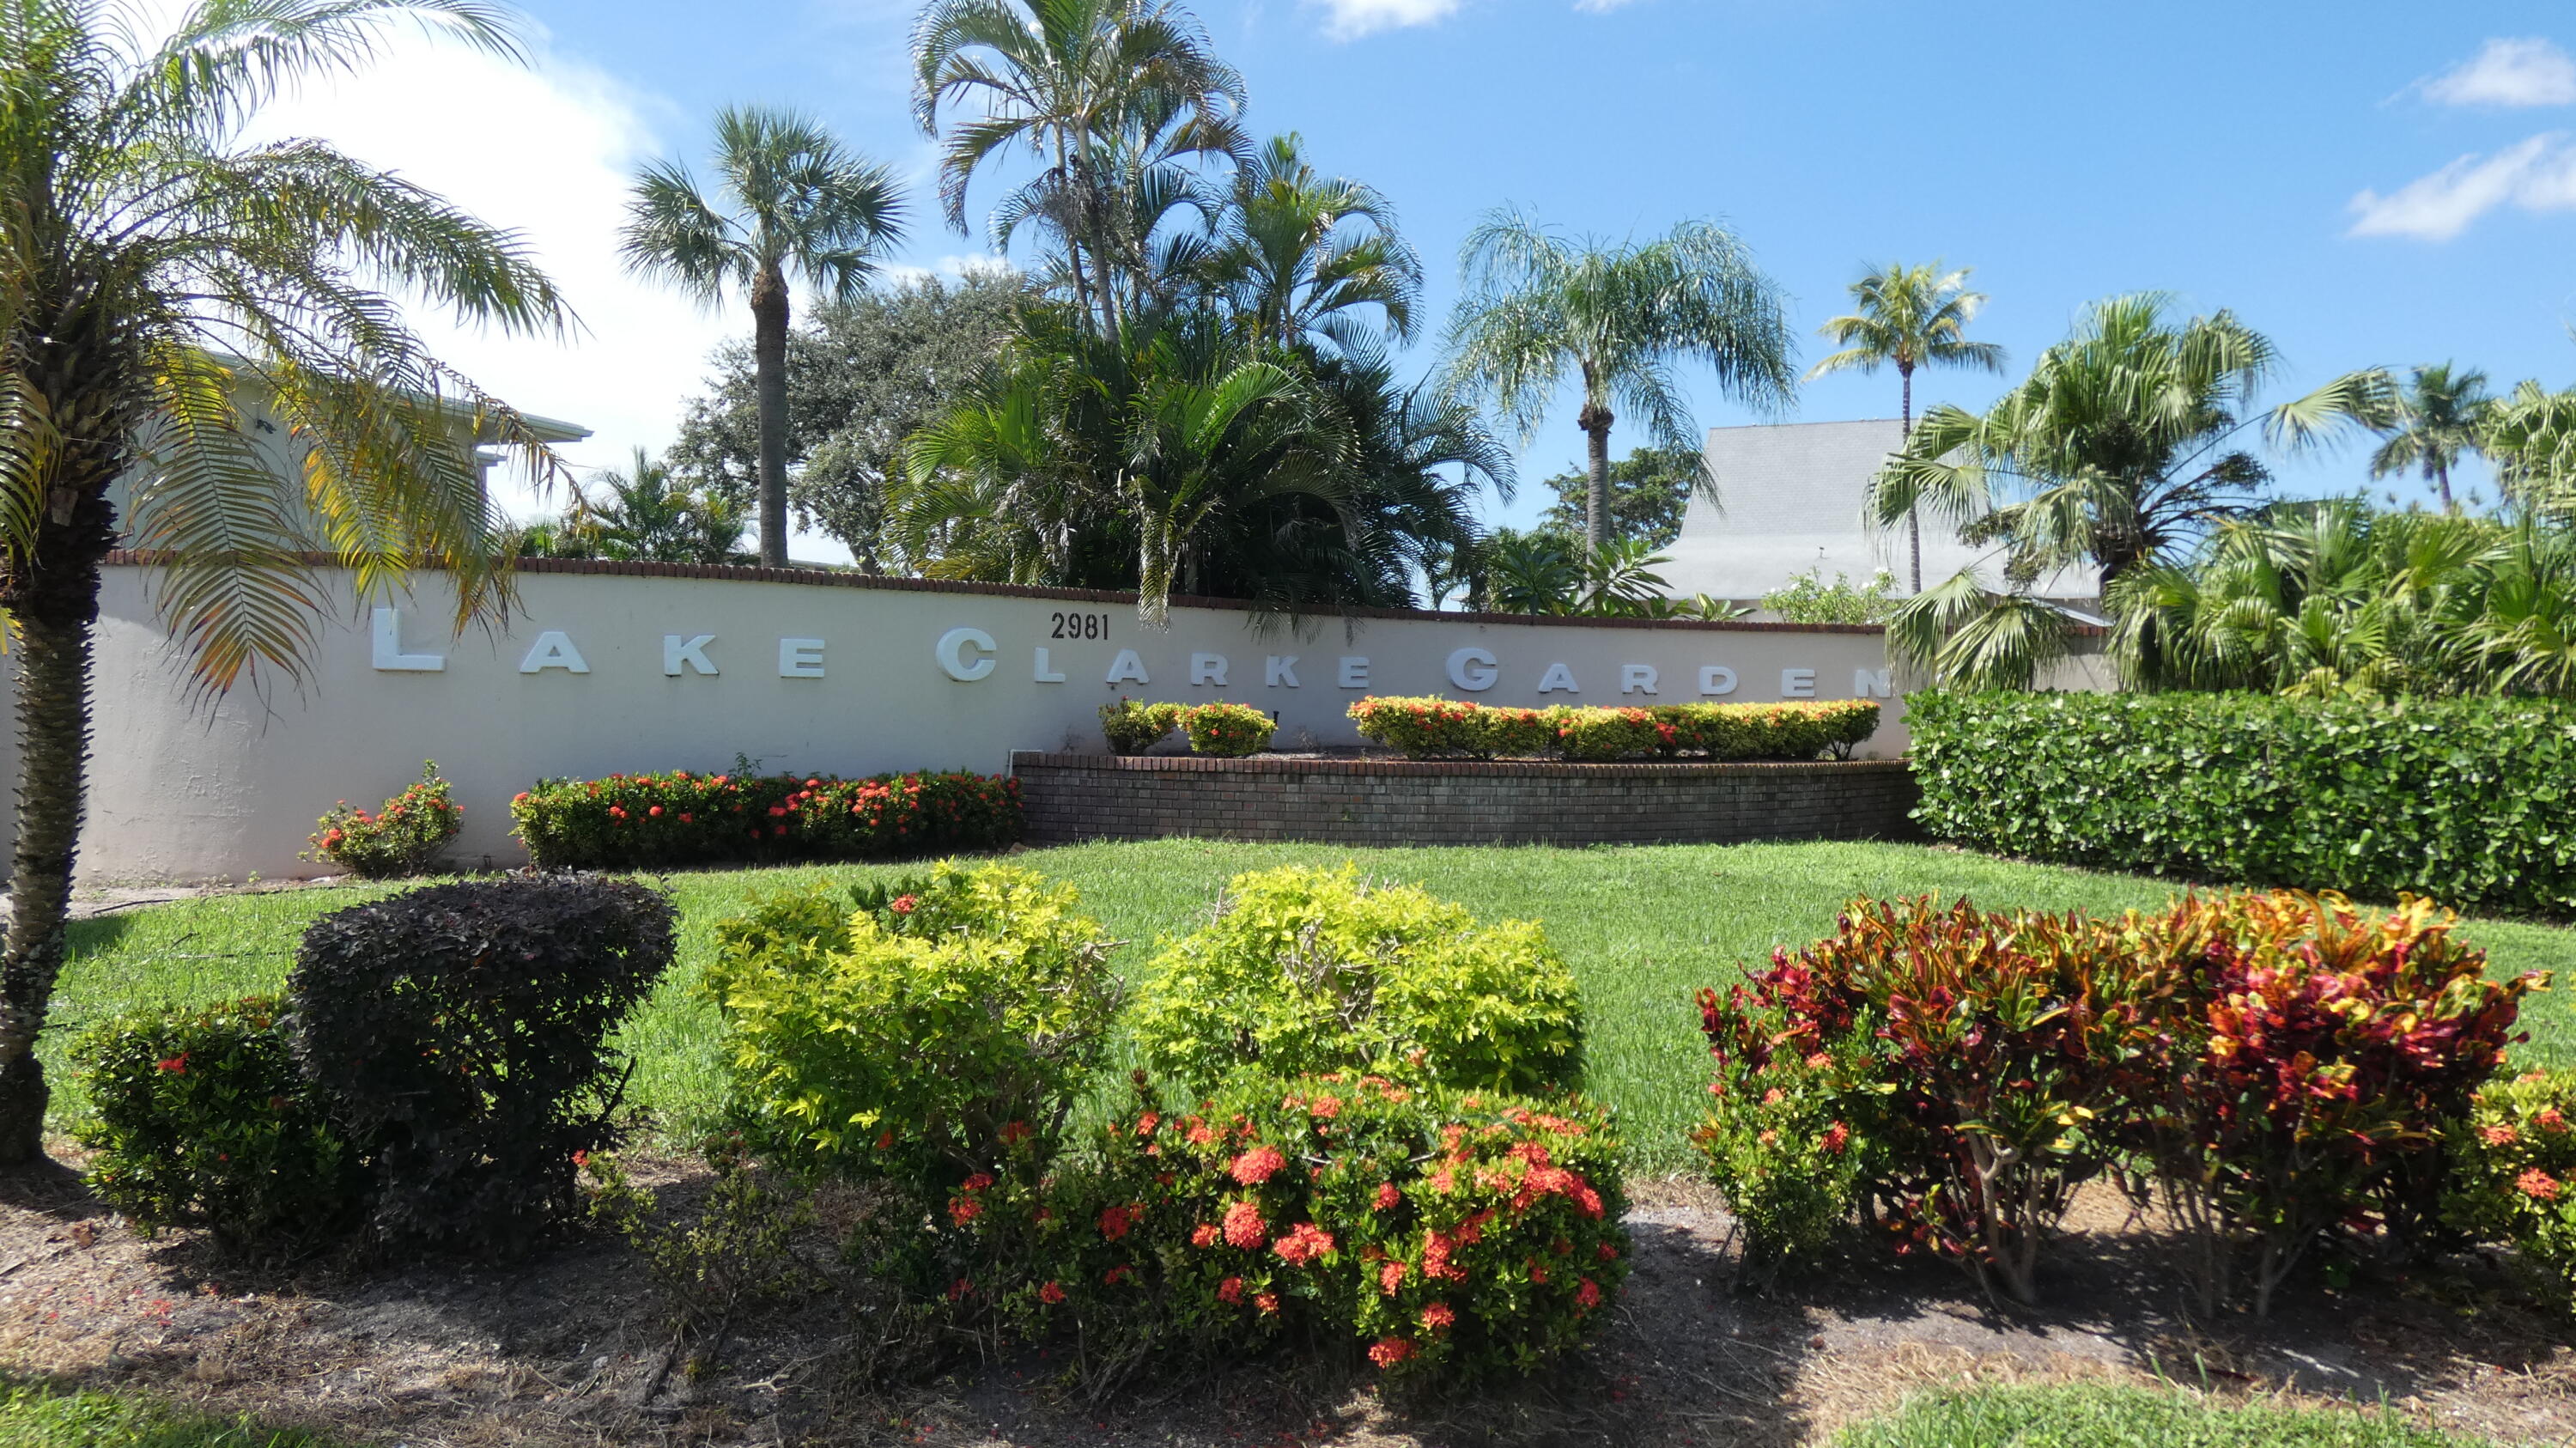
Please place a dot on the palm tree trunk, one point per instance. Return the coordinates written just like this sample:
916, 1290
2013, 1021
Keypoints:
2442, 480
769, 375
1595, 422
1913, 524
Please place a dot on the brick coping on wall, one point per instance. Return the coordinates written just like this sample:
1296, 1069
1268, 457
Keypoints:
830, 578
1449, 768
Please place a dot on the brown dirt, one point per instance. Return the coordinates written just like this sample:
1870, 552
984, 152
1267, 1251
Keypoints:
559, 1351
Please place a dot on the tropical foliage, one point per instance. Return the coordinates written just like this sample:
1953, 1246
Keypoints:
645, 514
1542, 311
1650, 493
2125, 444
2440, 414
792, 204
169, 290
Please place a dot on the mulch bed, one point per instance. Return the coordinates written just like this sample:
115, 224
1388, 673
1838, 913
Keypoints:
574, 1348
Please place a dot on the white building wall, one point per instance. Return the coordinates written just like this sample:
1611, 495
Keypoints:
186, 790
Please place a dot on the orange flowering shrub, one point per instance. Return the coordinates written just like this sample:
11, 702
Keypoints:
1228, 731
1454, 1234
402, 838
651, 821
2513, 1176
1434, 728
1790, 730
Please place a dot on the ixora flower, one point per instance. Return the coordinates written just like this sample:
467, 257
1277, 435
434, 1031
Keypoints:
1230, 1290
2538, 1185
1051, 1294
1257, 1165
1244, 1227
1304, 1243
1386, 1352
1439, 1316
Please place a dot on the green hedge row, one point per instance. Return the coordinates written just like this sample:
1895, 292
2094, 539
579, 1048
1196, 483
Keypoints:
2471, 801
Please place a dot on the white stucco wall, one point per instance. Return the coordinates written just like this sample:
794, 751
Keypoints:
184, 790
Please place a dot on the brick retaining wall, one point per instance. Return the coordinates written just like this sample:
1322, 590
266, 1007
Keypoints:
1073, 797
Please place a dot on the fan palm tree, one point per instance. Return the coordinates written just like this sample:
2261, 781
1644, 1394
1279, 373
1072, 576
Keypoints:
2440, 415
795, 203
1615, 319
2121, 448
164, 283
1075, 84
1909, 317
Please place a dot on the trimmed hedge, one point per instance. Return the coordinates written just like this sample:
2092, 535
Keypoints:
630, 821
2465, 800
1433, 727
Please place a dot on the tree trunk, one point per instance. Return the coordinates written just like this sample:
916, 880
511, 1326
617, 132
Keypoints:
1913, 524
2442, 479
1595, 422
52, 592
769, 371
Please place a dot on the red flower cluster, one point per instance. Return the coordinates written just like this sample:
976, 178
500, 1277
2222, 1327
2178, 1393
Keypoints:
1304, 1243
685, 818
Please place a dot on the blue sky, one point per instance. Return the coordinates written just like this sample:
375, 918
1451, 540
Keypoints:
2367, 183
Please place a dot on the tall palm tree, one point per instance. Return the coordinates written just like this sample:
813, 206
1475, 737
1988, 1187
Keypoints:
794, 204
162, 283
1909, 317
1087, 87
1615, 318
2440, 415
2122, 448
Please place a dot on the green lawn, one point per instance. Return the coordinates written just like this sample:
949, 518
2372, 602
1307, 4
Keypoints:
2104, 1417
1643, 928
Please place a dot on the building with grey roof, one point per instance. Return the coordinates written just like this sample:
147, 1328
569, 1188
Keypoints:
1789, 502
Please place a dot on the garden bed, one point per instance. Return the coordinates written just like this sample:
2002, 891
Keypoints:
1345, 800
558, 1352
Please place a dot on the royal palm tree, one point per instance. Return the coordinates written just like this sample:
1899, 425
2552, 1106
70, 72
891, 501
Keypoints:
2440, 415
794, 204
2123, 447
1615, 318
166, 285
1091, 89
1909, 317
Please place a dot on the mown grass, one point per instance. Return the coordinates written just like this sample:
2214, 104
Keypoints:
2108, 1417
1643, 929
33, 1415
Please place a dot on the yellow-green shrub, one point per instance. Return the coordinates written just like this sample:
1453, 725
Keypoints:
913, 1041
1305, 971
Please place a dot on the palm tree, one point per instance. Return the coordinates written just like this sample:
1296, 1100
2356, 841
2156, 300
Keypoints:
1300, 255
1615, 318
647, 514
2440, 415
2121, 449
1092, 89
158, 274
1909, 317
796, 204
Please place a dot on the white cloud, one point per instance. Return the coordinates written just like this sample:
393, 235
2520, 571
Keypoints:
1351, 19
2538, 174
2529, 72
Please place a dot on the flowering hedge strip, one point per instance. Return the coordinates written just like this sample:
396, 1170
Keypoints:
402, 838
629, 821
2464, 800
2513, 1174
1133, 728
1428, 728
2283, 1065
1437, 1232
